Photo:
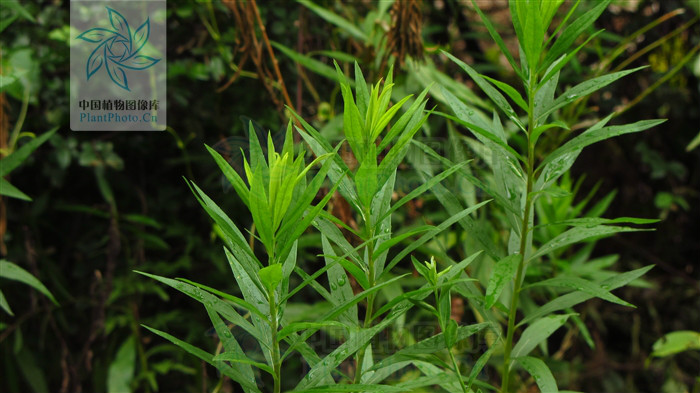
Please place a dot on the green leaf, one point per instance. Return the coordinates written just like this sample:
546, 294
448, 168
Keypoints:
121, 370
252, 288
490, 91
17, 157
355, 342
313, 65
220, 306
554, 69
537, 332
271, 276
572, 31
580, 284
399, 238
238, 184
540, 372
230, 344
480, 364
574, 298
297, 326
592, 136
233, 299
585, 88
335, 19
338, 170
595, 221
429, 345
207, 357
4, 305
341, 290
352, 388
451, 333
234, 238
578, 234
423, 188
11, 191
366, 177
510, 91
676, 342
362, 91
13, 272
497, 38
431, 234
236, 358
503, 273
407, 120
261, 210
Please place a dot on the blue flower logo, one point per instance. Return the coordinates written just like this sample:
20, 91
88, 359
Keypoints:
118, 49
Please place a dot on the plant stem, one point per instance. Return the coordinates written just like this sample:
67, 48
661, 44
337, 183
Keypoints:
513, 310
456, 370
276, 363
370, 298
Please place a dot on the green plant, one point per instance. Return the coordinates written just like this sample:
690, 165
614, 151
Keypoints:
519, 179
367, 252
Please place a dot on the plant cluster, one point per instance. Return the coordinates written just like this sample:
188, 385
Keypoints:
524, 185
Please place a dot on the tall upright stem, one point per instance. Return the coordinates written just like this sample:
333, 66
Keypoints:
274, 327
370, 298
513, 310
276, 363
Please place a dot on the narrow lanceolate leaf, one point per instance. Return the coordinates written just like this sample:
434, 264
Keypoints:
219, 305
209, 358
574, 298
236, 181
356, 341
233, 299
297, 326
429, 345
335, 19
577, 234
341, 290
580, 284
497, 38
676, 342
594, 221
481, 363
338, 171
237, 358
351, 388
503, 273
490, 91
231, 346
11, 191
423, 188
585, 88
431, 234
17, 157
539, 331
311, 64
399, 238
592, 136
572, 31
13, 272
540, 372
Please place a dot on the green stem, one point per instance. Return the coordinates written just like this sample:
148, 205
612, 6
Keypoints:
370, 298
456, 370
276, 363
513, 310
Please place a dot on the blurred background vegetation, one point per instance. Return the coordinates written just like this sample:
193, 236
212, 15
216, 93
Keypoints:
104, 204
